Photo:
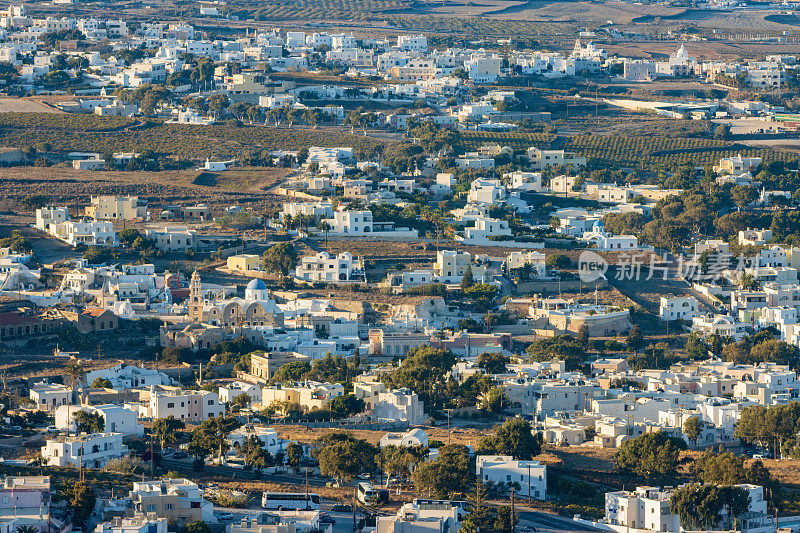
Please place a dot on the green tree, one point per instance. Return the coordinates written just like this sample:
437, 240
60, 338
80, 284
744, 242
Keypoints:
400, 461
493, 363
494, 400
241, 401
82, 500
582, 338
346, 405
482, 295
451, 472
634, 339
743, 195
692, 428
294, 455
558, 261
254, 454
729, 469
467, 280
291, 372
210, 437
506, 522
513, 437
197, 527
166, 430
652, 454
333, 368
101, 383
344, 457
424, 370
701, 507
280, 259
87, 422
563, 347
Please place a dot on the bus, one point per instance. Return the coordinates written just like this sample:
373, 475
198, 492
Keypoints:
290, 500
367, 494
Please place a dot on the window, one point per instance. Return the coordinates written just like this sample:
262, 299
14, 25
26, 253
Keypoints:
170, 405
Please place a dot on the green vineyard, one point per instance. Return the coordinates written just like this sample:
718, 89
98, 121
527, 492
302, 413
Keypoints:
321, 9
603, 150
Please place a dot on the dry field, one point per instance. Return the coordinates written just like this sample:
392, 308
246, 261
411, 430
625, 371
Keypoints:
26, 105
585, 11
706, 50
75, 187
459, 435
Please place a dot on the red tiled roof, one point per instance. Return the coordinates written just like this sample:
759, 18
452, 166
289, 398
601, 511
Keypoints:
17, 318
94, 311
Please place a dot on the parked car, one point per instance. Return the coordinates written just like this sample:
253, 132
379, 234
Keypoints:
341, 508
225, 517
179, 455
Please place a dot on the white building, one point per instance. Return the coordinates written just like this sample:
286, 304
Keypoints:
268, 437
754, 237
90, 451
540, 159
178, 500
678, 307
332, 269
530, 475
173, 238
350, 222
723, 325
486, 228
228, 392
117, 419
486, 191
117, 208
318, 210
188, 405
49, 396
516, 260
606, 241
50, 217
646, 510
124, 377
137, 524
483, 68
400, 405
525, 181
451, 265
412, 43
86, 232
414, 437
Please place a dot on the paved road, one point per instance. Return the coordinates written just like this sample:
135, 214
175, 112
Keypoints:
551, 522
240, 473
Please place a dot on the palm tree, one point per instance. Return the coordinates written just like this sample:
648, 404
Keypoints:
27, 529
324, 226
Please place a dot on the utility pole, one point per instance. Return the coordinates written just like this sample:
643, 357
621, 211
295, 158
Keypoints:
152, 459
513, 511
355, 489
